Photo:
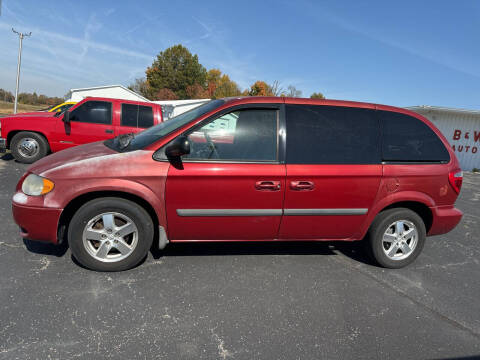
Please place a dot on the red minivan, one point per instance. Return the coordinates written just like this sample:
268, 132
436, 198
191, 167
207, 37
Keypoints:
249, 169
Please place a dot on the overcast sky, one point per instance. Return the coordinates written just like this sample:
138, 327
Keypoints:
400, 53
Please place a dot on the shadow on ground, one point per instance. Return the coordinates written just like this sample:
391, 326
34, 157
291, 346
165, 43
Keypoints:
6, 157
42, 248
353, 250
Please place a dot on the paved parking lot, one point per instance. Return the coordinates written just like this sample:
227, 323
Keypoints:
242, 301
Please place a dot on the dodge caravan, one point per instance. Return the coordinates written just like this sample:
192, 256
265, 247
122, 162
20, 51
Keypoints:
248, 169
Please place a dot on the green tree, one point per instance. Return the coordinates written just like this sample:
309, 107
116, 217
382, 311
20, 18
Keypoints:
176, 69
6, 96
318, 95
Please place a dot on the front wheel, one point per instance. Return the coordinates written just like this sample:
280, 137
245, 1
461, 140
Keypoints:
28, 147
110, 234
396, 237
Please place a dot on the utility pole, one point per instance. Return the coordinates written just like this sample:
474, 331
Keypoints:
20, 36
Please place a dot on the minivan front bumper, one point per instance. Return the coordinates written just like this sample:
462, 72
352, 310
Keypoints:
37, 223
445, 219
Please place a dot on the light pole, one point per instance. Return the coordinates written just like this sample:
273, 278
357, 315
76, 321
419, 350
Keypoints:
20, 36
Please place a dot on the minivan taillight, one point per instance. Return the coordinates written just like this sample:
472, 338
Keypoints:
456, 178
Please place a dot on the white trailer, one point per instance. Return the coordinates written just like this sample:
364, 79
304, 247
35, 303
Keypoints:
171, 108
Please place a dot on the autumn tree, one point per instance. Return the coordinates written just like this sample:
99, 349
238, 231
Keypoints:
176, 69
260, 88
196, 91
318, 95
165, 94
220, 86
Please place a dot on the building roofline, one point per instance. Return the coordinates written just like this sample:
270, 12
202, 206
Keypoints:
442, 109
106, 87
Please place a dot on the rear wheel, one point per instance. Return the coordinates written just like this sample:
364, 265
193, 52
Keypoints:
396, 237
28, 147
110, 234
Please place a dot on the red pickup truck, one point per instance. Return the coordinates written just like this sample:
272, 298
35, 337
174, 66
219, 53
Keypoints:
32, 136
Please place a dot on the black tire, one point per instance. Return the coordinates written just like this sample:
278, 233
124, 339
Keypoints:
93, 208
41, 150
375, 243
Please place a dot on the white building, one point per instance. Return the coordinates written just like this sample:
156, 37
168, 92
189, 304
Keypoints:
108, 91
461, 128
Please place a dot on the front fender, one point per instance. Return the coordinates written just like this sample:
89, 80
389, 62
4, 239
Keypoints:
68, 191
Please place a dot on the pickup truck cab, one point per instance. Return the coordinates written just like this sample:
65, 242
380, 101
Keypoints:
32, 136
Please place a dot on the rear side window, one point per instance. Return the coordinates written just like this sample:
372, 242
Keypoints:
318, 134
136, 116
96, 112
407, 139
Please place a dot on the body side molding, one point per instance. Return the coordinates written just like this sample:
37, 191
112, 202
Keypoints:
268, 212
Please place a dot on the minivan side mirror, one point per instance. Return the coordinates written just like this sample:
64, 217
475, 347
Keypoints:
178, 147
66, 117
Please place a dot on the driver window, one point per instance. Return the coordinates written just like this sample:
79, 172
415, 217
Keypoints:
244, 135
96, 112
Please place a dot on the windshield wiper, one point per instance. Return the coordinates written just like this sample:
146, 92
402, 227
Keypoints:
124, 140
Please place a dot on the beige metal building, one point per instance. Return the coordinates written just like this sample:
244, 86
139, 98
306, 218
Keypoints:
461, 127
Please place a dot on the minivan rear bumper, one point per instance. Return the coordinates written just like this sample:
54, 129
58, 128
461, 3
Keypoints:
445, 218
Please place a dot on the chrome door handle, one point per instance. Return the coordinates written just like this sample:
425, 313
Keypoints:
267, 185
302, 185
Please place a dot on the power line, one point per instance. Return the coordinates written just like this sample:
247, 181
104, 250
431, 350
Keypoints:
20, 36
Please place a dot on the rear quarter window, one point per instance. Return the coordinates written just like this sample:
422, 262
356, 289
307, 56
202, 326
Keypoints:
408, 139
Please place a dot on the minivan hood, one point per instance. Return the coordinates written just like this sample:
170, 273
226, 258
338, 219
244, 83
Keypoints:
70, 156
89, 160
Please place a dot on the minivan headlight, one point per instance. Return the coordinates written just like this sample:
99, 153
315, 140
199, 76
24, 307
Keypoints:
36, 185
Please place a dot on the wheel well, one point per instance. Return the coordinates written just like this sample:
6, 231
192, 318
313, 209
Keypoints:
421, 209
76, 203
12, 133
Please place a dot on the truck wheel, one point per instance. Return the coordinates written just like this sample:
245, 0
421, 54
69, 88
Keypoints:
396, 237
28, 147
110, 234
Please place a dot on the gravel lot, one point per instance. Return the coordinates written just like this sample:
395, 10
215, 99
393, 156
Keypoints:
242, 301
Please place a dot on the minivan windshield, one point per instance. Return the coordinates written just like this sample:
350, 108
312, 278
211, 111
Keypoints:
140, 140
